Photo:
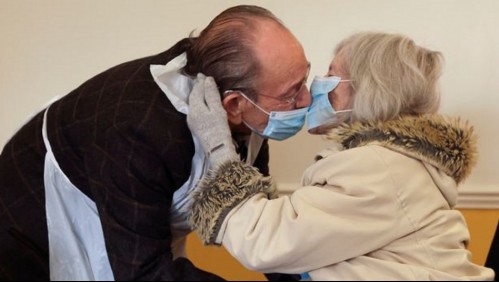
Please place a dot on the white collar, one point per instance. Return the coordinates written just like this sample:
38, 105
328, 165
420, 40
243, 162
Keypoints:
173, 83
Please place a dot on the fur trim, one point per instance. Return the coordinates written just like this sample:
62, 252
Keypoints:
220, 191
447, 143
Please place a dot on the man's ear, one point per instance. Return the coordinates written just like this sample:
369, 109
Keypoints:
232, 104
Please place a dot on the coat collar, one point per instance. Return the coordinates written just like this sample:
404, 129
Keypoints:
446, 143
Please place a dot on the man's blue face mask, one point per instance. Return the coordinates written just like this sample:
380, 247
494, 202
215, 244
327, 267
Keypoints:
281, 125
321, 114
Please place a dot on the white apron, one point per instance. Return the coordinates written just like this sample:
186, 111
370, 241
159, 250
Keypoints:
77, 250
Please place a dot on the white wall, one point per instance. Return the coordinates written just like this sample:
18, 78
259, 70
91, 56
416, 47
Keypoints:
48, 48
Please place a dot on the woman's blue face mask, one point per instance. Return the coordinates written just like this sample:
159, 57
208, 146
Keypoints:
321, 114
281, 125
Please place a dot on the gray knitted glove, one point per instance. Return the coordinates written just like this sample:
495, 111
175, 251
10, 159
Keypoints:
207, 120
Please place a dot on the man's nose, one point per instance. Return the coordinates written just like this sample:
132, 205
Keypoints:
304, 99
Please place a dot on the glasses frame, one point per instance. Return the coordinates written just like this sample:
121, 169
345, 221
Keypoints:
285, 100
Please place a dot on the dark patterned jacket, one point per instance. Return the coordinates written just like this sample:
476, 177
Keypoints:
122, 143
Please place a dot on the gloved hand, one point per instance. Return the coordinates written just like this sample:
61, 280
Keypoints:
207, 120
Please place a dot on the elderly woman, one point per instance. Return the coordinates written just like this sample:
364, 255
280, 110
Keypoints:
379, 204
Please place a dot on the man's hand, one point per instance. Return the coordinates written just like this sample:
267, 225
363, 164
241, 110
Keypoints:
207, 120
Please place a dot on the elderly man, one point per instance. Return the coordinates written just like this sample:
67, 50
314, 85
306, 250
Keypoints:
94, 187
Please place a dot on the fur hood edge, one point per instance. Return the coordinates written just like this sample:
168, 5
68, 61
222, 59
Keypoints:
447, 143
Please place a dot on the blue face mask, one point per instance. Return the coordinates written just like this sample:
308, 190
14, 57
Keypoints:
281, 125
321, 114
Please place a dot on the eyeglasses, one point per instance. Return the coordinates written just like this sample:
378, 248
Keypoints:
283, 102
287, 100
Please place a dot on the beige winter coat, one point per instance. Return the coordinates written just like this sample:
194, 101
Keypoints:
381, 207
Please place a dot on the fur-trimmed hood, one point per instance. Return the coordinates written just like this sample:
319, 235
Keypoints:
446, 143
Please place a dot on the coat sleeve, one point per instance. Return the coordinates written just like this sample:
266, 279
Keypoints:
349, 208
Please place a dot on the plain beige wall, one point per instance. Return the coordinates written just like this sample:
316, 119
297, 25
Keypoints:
50, 47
